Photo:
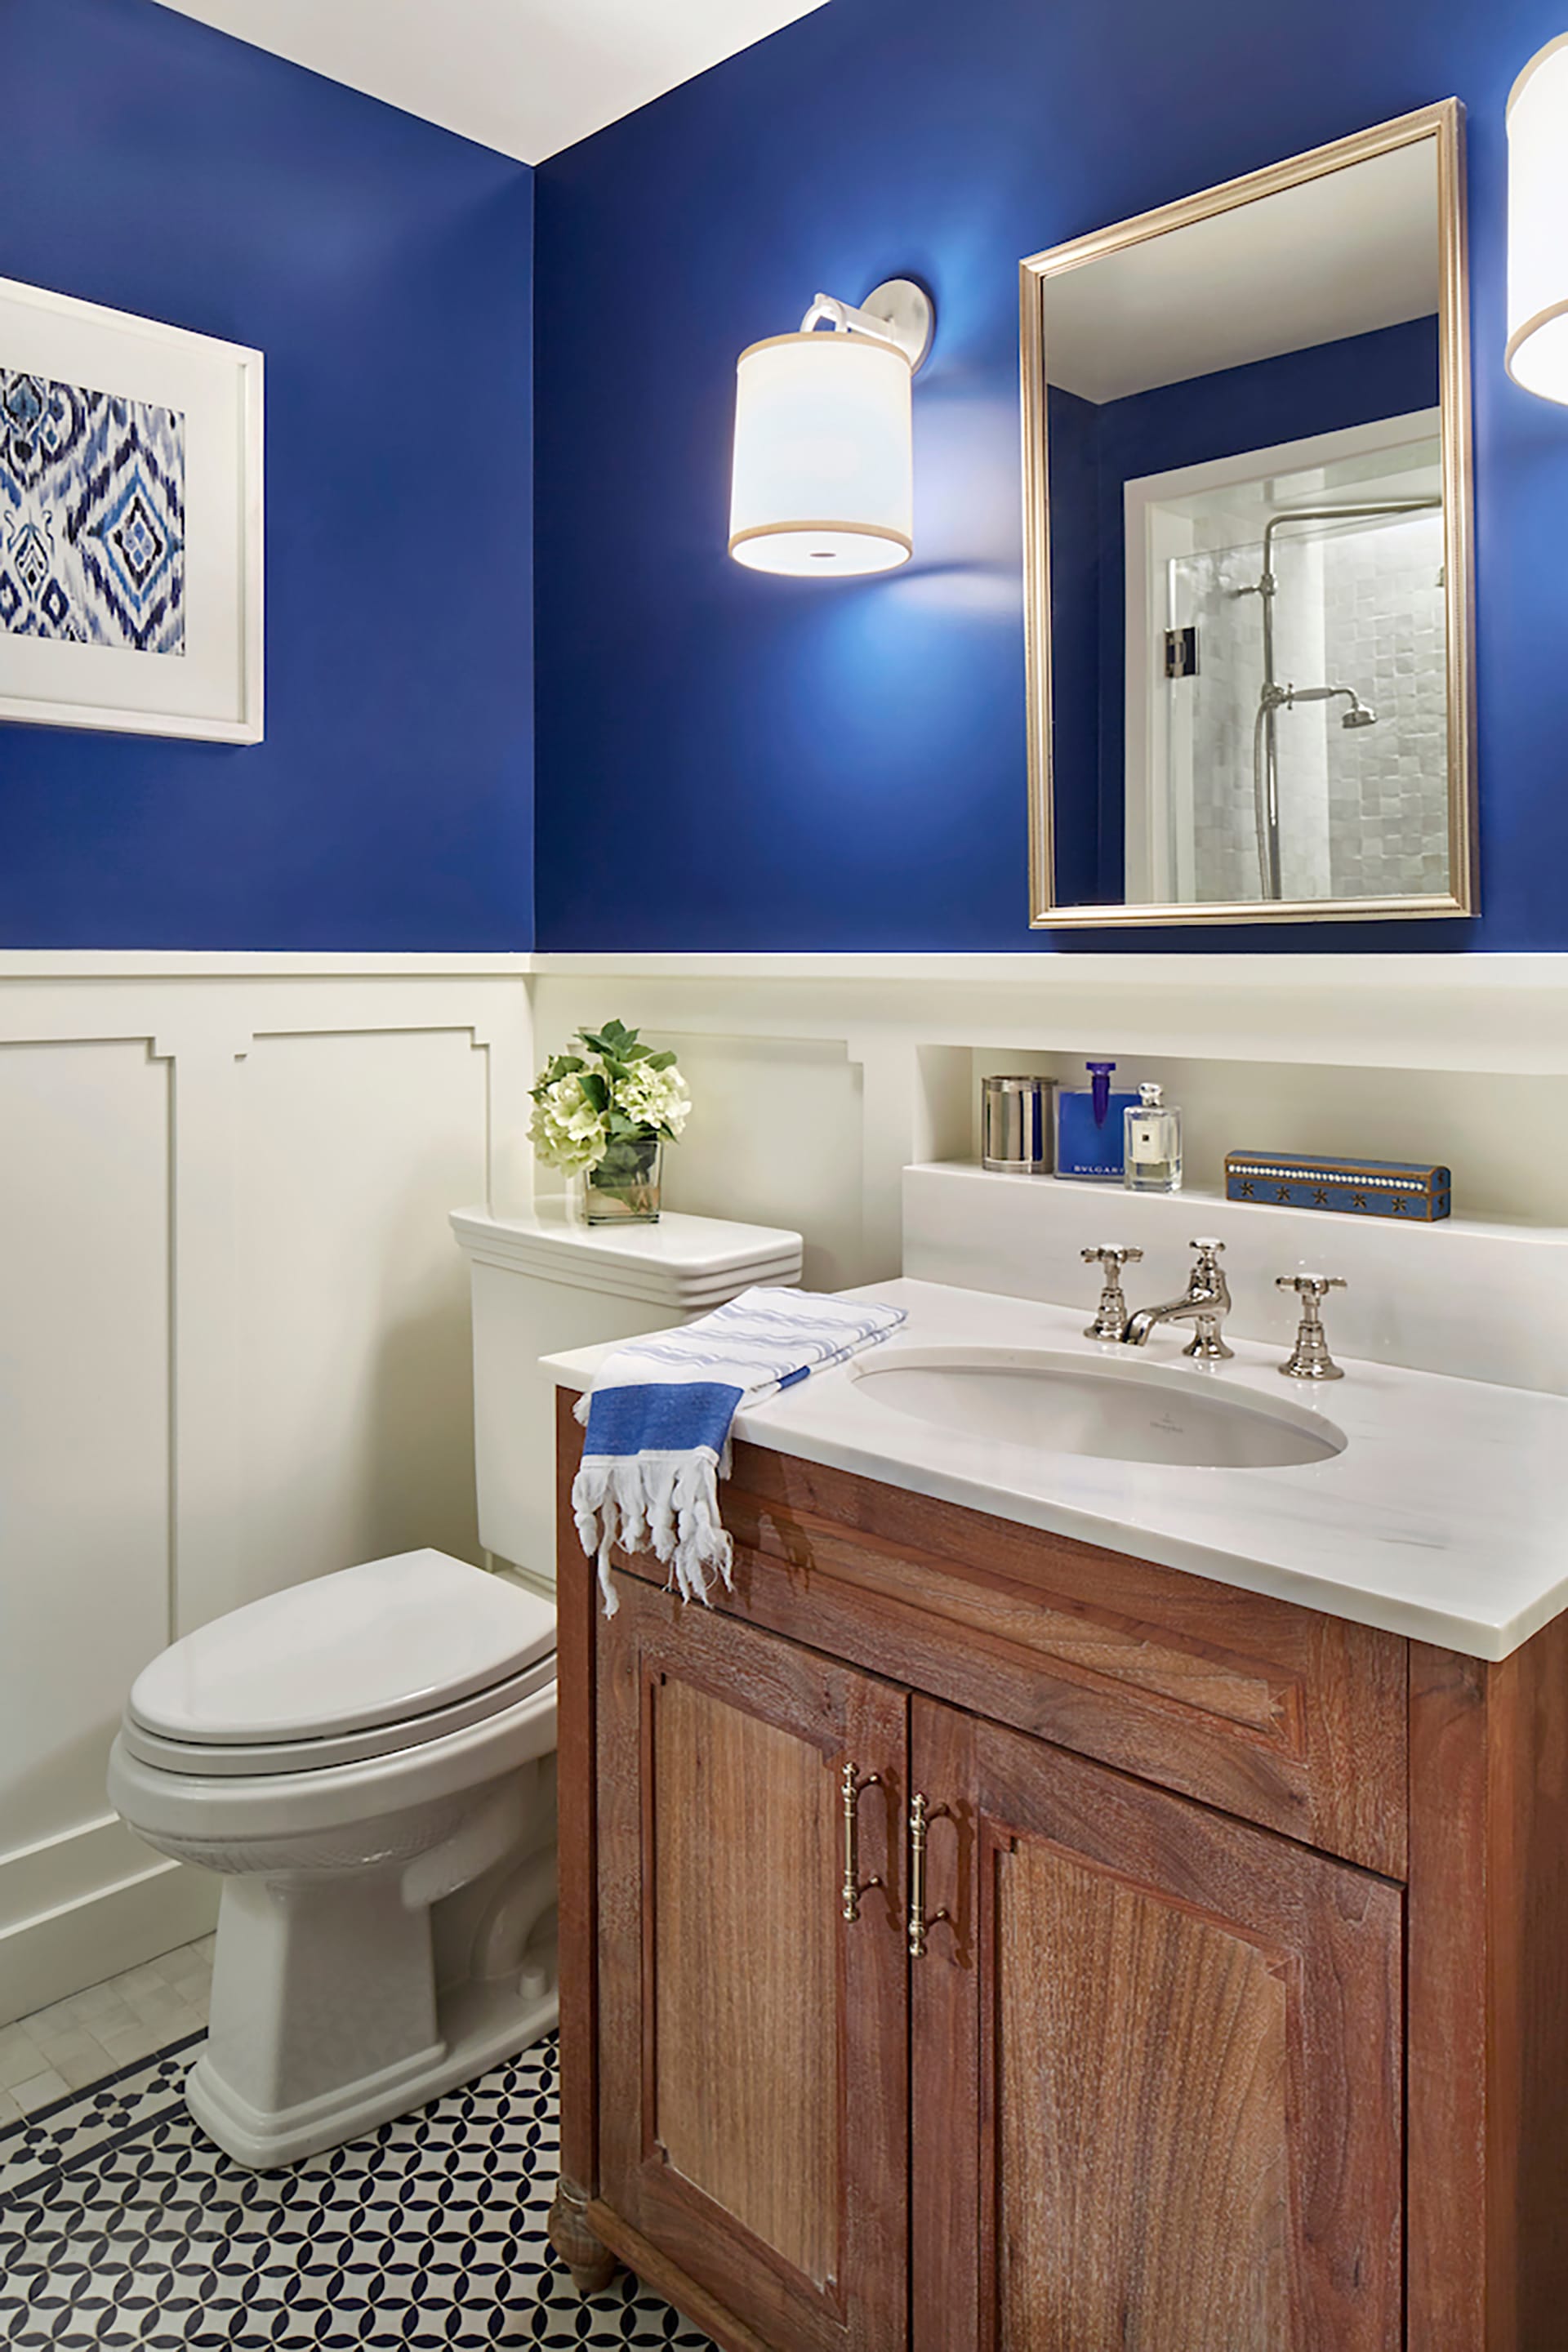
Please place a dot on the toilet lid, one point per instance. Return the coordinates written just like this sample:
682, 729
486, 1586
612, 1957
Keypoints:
374, 1644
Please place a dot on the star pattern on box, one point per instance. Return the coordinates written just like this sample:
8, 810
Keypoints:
121, 2225
92, 516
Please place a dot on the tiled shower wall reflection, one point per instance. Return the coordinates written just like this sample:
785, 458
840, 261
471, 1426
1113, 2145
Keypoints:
1384, 634
1362, 812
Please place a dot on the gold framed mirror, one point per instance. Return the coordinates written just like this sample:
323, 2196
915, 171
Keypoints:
1248, 548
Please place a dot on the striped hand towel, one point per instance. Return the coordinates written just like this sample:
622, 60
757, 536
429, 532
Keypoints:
659, 1418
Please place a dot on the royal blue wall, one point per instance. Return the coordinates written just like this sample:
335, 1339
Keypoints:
383, 267
726, 759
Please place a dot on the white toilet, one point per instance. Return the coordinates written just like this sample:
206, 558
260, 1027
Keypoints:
368, 1760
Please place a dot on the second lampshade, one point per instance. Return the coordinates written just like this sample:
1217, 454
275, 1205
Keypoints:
1537, 212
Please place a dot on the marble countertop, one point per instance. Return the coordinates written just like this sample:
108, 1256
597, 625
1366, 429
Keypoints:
1443, 1518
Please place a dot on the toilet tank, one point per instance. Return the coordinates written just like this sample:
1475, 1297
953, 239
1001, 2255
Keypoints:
543, 1282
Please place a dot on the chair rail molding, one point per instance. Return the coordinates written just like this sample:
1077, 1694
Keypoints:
1485, 1012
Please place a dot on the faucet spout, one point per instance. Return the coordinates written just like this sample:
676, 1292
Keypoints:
1135, 1333
1204, 1304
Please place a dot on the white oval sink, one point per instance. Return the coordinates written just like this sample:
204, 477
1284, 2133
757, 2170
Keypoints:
1130, 1412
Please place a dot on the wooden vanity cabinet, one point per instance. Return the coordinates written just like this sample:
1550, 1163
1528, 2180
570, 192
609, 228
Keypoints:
978, 1942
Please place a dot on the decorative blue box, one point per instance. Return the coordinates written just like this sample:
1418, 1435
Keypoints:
1367, 1188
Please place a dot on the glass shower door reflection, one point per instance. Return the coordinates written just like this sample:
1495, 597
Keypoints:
1297, 729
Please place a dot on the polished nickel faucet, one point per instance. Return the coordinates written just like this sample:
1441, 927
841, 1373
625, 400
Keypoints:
1111, 1316
1204, 1304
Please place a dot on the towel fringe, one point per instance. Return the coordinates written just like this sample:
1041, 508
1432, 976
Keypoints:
664, 1502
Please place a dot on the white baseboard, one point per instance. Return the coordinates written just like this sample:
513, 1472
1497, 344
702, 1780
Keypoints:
80, 1943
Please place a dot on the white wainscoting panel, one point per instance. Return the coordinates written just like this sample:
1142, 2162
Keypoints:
234, 1348
777, 1121
85, 1503
356, 1431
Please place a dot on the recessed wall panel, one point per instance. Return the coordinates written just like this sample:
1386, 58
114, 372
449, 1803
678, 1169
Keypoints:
84, 1415
775, 1138
354, 1380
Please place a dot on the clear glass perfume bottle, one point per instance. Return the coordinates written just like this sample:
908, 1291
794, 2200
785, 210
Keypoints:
1152, 1161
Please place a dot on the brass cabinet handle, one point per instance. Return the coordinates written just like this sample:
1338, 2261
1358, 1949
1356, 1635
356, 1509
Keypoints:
921, 1813
854, 1885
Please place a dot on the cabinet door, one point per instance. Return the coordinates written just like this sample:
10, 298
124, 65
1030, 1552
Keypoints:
753, 2041
1157, 2069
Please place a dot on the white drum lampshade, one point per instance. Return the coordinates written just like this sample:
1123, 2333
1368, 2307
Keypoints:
824, 469
1538, 224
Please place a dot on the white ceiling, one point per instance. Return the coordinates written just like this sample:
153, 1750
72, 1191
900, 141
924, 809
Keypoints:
1340, 255
528, 76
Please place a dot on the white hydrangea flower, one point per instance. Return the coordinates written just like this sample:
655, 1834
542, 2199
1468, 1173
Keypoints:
566, 1129
660, 1096
609, 1068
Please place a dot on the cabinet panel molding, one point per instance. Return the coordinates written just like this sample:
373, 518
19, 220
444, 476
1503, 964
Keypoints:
742, 2095
752, 2041
1279, 1714
1173, 2044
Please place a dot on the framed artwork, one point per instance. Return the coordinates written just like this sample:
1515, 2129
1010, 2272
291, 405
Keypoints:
130, 524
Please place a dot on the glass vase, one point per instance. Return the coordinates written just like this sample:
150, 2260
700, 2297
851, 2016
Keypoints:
623, 1190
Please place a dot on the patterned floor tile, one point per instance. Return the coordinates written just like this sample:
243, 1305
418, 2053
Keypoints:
121, 2226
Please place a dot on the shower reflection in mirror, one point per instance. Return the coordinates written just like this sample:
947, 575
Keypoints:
1291, 638
1248, 433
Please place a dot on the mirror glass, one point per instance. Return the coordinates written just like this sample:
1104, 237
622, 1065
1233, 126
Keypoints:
1249, 612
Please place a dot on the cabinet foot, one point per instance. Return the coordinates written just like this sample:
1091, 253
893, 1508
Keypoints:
592, 2265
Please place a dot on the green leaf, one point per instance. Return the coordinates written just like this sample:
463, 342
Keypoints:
665, 1061
611, 1036
596, 1090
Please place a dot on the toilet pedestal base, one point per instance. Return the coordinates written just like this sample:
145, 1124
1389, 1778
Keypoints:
488, 2022
341, 2000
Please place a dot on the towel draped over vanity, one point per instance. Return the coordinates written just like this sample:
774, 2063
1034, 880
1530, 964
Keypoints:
659, 1418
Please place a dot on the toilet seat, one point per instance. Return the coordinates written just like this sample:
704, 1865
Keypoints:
389, 1655
216, 1811
229, 1760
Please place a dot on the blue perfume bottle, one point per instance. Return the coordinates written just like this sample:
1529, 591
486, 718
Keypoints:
1089, 1127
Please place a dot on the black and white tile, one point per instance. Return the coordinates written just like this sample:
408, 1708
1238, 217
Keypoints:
121, 2225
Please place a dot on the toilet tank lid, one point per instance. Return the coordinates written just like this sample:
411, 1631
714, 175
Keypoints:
379, 1643
683, 1264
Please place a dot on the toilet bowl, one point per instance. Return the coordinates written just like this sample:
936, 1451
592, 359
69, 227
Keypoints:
368, 1762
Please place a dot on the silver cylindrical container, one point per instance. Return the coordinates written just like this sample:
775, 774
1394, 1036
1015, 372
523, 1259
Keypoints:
1016, 1131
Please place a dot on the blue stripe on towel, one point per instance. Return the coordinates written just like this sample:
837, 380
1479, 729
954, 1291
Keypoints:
662, 1417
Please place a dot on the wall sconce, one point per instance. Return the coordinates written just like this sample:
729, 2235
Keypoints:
1537, 353
824, 472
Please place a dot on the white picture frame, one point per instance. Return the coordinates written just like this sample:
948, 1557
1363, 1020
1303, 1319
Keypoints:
131, 542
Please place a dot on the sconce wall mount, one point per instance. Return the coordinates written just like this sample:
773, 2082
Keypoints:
823, 483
